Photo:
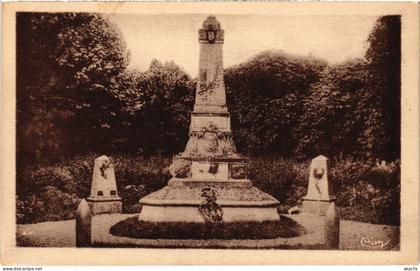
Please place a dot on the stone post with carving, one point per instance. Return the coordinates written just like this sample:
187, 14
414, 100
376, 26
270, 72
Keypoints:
103, 194
318, 195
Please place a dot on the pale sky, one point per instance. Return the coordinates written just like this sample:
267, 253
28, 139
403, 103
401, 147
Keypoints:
169, 37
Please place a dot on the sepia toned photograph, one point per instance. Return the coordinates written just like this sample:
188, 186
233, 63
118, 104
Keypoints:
210, 131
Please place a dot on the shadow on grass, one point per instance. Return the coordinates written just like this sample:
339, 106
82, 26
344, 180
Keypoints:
133, 228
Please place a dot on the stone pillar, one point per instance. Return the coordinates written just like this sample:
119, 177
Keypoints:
318, 196
103, 194
210, 86
83, 225
332, 228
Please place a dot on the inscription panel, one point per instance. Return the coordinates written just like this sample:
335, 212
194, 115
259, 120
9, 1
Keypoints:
222, 123
209, 171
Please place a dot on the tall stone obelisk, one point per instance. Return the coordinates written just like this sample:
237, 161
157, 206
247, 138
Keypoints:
210, 88
210, 160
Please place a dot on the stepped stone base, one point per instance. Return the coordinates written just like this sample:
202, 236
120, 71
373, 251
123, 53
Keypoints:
112, 205
312, 206
180, 200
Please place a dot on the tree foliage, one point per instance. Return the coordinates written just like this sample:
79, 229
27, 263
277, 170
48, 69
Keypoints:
264, 97
69, 68
167, 98
381, 103
355, 108
329, 123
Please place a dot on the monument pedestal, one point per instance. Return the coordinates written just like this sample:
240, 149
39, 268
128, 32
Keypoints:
105, 206
181, 199
313, 206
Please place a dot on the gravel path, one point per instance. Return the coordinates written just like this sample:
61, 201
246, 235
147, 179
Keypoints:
353, 236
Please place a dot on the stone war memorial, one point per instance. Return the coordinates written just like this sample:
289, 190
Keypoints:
210, 166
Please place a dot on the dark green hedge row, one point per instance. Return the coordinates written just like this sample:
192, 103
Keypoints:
365, 191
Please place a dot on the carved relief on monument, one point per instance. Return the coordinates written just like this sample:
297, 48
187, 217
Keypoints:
226, 144
104, 167
103, 180
211, 31
180, 168
238, 171
103, 194
214, 168
202, 35
208, 84
210, 141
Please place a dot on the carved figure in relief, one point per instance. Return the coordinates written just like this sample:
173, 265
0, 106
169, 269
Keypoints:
207, 87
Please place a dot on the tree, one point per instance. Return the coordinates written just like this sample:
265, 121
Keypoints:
167, 98
264, 97
69, 71
355, 108
381, 102
330, 123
